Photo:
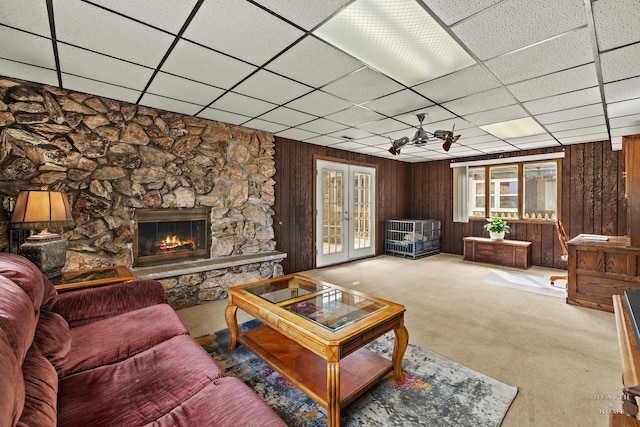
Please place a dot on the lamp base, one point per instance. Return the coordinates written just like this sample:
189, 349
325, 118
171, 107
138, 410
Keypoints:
49, 254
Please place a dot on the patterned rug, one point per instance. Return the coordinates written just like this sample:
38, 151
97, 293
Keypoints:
436, 391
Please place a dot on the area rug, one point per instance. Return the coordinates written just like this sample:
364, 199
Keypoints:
526, 282
436, 391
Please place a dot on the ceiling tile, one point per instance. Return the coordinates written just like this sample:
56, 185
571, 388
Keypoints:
106, 90
28, 72
307, 13
476, 141
577, 78
287, 116
354, 116
493, 98
351, 133
168, 15
571, 114
622, 90
319, 103
465, 82
585, 138
223, 116
367, 150
537, 144
363, 85
93, 28
240, 29
515, 24
494, 145
182, 89
198, 63
626, 131
91, 65
569, 50
564, 101
322, 126
580, 131
632, 120
576, 124
297, 134
623, 108
616, 22
376, 141
307, 62
347, 145
323, 140
502, 114
384, 126
40, 50
265, 125
240, 104
27, 15
452, 12
398, 103
621, 63
271, 87
168, 104
530, 139
432, 114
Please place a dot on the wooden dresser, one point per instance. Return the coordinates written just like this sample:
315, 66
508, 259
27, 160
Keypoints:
509, 253
600, 269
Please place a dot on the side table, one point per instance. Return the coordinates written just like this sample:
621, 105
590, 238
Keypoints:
79, 279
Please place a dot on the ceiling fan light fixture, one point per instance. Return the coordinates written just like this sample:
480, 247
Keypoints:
396, 37
514, 128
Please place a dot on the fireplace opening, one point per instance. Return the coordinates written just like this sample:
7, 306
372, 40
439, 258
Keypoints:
169, 235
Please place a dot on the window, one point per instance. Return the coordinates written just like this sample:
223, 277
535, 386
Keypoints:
518, 191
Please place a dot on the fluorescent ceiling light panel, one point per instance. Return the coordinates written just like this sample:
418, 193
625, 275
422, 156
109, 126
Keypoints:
396, 37
514, 128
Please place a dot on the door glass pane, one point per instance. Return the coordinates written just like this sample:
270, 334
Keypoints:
540, 190
332, 209
361, 210
477, 197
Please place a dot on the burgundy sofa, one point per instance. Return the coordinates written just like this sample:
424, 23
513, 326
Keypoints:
110, 356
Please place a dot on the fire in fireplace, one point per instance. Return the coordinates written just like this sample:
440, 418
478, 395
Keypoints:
169, 235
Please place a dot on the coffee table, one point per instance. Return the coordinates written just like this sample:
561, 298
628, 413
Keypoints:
314, 333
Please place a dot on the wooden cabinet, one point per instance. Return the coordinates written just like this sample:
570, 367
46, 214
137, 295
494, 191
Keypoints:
600, 269
508, 253
631, 149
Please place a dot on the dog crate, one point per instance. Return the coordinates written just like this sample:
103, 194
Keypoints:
412, 237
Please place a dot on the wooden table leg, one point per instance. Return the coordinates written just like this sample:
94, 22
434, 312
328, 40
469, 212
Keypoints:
232, 324
333, 390
399, 347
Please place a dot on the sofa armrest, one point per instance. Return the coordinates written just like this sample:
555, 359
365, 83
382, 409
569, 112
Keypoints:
91, 304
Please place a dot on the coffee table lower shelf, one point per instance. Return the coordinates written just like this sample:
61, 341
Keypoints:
308, 371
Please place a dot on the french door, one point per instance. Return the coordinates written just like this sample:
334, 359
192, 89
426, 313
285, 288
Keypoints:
345, 212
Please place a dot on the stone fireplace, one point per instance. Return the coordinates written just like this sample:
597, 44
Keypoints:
116, 160
166, 236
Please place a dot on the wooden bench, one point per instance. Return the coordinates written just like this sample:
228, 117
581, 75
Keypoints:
508, 253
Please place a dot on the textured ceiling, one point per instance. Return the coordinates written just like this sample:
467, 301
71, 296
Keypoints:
571, 65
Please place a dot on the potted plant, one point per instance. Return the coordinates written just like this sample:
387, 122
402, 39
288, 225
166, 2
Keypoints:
497, 227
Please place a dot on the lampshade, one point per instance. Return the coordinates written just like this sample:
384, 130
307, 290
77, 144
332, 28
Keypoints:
38, 210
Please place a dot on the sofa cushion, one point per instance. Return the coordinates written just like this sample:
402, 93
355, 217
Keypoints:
227, 402
41, 390
53, 338
26, 275
117, 338
139, 389
12, 384
18, 317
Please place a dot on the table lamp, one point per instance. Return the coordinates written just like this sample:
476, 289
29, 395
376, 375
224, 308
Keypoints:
40, 210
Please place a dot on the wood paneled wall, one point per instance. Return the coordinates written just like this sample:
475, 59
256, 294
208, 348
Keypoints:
294, 219
592, 199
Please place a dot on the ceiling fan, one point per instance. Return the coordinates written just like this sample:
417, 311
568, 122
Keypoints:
422, 137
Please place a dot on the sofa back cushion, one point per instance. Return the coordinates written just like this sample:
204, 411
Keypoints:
25, 274
12, 384
53, 338
41, 391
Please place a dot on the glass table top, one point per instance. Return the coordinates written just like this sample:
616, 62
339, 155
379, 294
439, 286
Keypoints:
334, 308
279, 291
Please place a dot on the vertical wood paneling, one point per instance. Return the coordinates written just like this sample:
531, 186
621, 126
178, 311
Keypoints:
592, 199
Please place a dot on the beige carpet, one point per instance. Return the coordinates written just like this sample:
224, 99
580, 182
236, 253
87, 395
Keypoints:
563, 359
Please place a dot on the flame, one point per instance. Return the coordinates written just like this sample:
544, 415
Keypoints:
173, 242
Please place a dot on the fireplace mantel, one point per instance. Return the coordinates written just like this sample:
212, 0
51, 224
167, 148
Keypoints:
189, 267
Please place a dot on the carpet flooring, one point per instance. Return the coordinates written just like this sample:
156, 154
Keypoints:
436, 391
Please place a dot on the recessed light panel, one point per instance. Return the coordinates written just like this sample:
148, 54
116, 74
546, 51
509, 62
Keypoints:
398, 38
514, 128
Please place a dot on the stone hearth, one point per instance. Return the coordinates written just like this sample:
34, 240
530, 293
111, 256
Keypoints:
112, 157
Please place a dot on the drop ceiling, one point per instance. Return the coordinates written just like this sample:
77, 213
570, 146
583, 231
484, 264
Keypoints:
572, 66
